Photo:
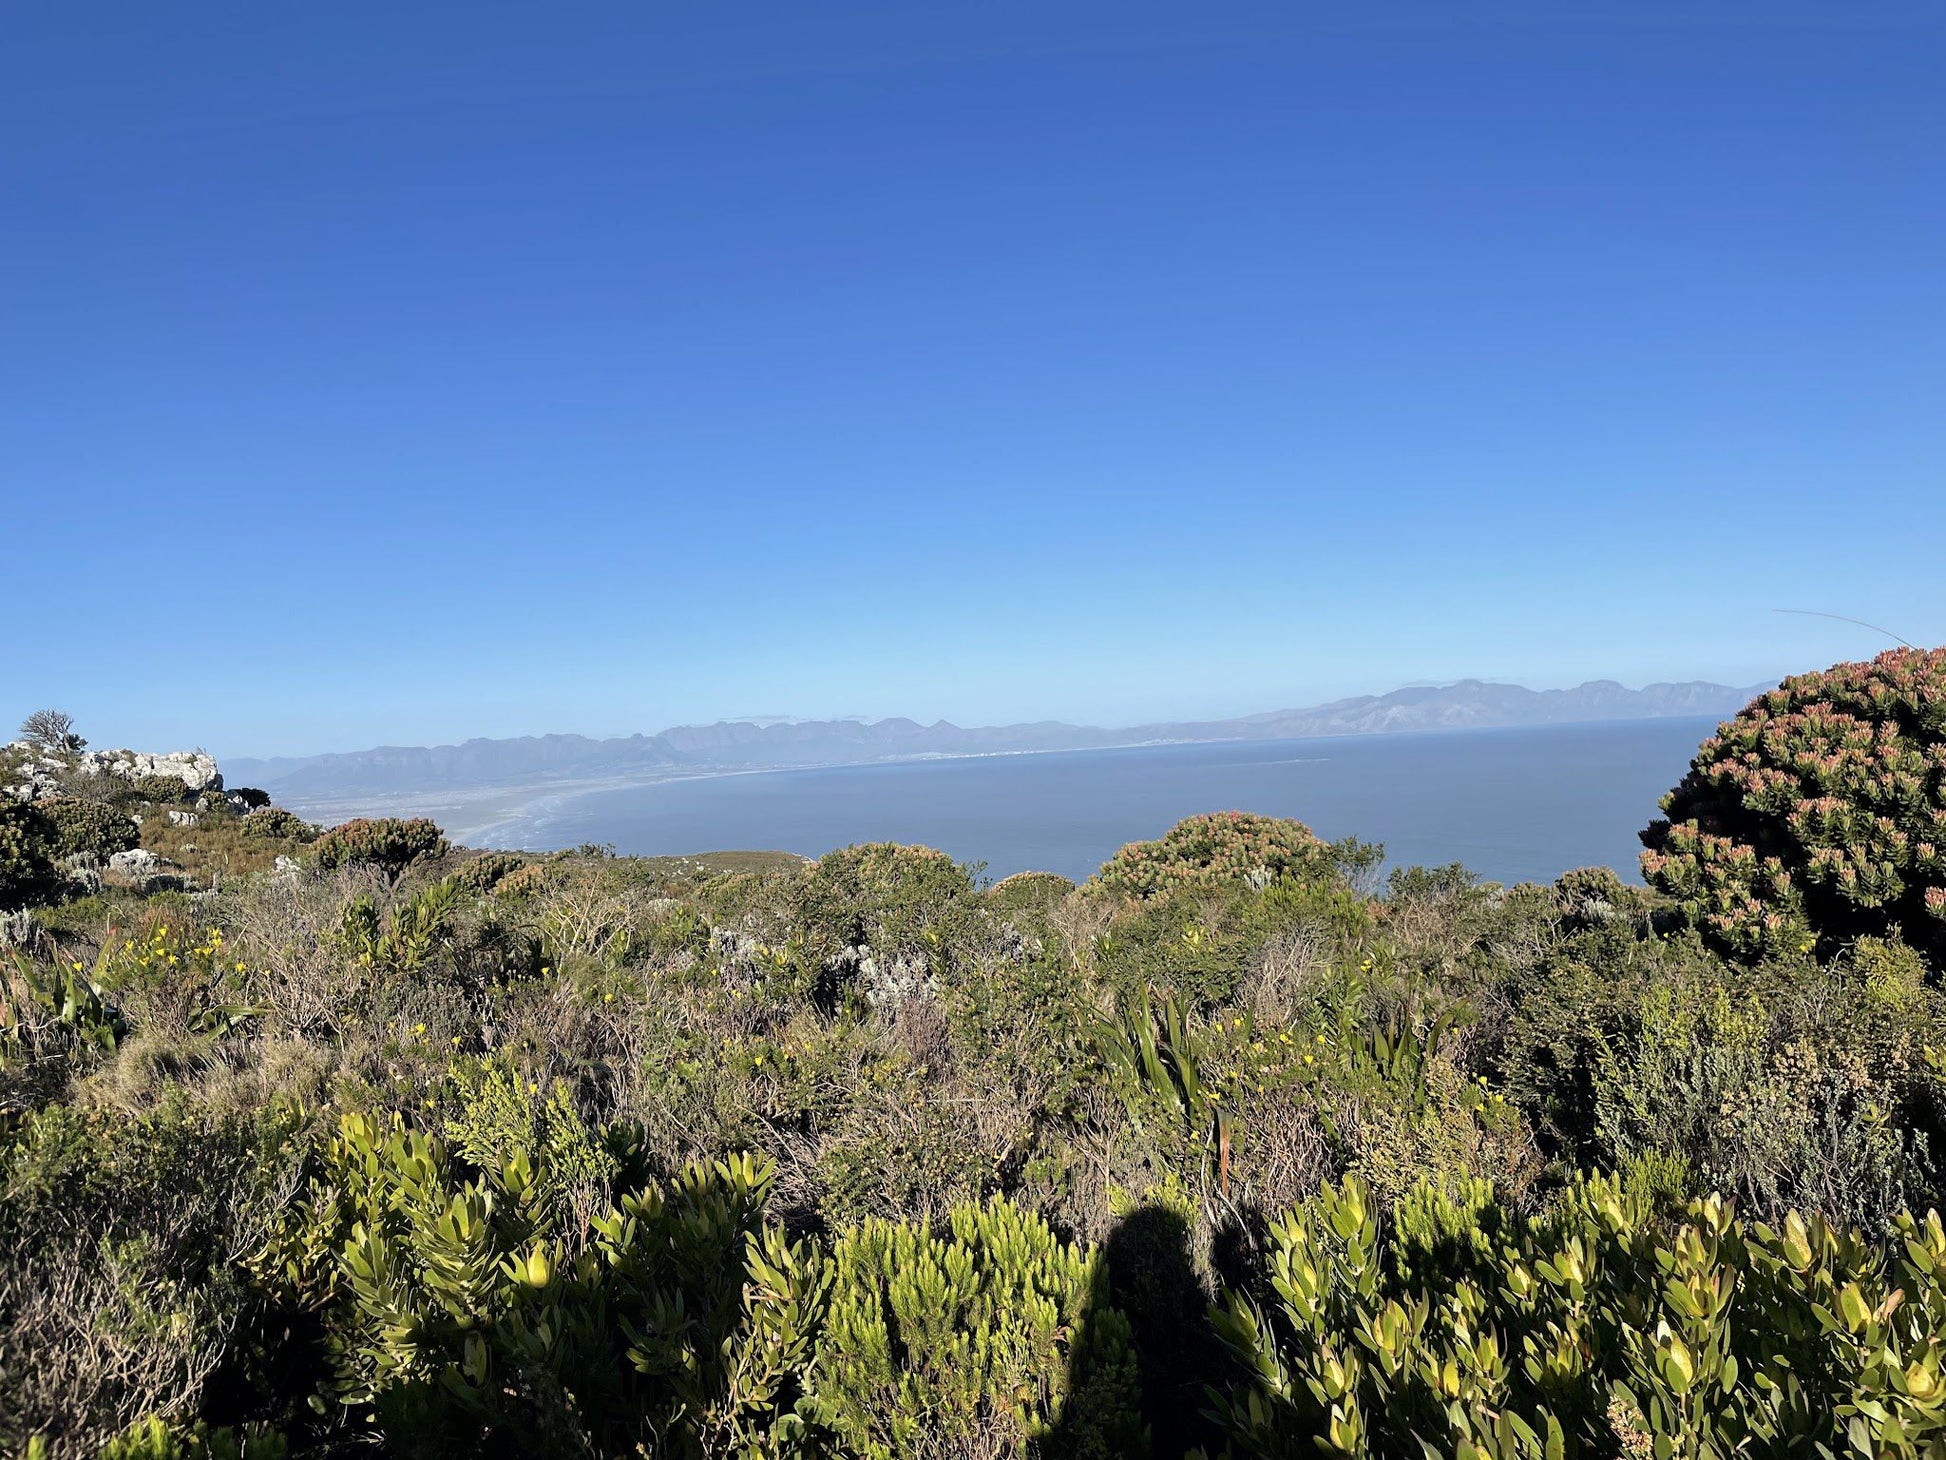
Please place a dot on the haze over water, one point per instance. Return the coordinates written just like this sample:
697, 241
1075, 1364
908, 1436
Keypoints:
1513, 804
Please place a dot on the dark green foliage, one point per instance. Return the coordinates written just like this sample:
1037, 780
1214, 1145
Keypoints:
87, 828
485, 871
387, 842
26, 854
159, 790
274, 823
119, 1289
249, 797
1818, 813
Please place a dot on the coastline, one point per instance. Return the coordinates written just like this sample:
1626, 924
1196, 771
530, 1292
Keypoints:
528, 817
475, 816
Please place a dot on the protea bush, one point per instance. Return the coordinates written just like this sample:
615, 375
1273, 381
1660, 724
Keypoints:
1817, 815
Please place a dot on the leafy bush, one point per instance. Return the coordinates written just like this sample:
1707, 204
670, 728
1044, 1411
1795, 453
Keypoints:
1596, 1329
993, 1337
1226, 847
159, 790
274, 823
884, 917
465, 1318
526, 881
388, 842
1029, 891
26, 844
87, 828
485, 872
118, 1295
1818, 813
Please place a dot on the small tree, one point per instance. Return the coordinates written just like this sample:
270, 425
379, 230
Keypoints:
51, 730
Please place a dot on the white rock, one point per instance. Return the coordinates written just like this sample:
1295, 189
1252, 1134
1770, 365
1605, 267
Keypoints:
136, 859
194, 769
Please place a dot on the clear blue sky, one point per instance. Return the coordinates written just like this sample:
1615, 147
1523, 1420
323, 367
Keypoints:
403, 373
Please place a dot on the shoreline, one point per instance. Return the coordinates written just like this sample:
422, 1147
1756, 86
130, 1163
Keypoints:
512, 806
516, 817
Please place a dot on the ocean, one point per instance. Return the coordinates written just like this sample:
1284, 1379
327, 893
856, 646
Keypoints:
1513, 805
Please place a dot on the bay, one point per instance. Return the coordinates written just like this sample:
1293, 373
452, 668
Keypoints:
1523, 804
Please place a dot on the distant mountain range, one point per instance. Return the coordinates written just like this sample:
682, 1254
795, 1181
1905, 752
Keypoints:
532, 760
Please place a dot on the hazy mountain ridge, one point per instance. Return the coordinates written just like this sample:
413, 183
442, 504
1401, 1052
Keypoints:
747, 745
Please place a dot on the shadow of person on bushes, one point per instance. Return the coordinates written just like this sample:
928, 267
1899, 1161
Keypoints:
1153, 1286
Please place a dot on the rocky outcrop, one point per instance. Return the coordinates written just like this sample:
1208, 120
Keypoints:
193, 768
30, 773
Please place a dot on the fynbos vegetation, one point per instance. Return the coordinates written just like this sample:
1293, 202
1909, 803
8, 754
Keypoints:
362, 1143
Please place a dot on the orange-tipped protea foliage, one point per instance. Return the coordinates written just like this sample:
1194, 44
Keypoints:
1817, 815
1225, 846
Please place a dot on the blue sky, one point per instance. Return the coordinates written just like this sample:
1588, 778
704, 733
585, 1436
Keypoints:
404, 373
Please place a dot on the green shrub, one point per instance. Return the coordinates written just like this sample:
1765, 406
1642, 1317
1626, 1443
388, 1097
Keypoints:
1227, 847
159, 790
387, 842
465, 1318
47, 1013
1817, 814
121, 1295
993, 1333
1808, 1098
528, 881
883, 916
485, 872
1596, 1329
274, 823
26, 844
1029, 891
88, 828
157, 1439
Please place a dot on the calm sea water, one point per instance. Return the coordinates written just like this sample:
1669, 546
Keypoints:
1513, 805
